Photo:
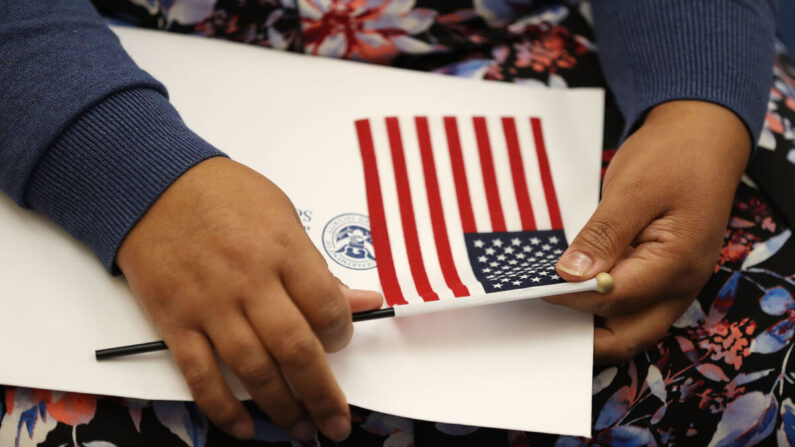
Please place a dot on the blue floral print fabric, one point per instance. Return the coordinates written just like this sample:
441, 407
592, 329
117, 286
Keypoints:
722, 376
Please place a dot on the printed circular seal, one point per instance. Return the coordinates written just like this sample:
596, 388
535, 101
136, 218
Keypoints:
348, 242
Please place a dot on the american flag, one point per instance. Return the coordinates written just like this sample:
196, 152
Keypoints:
460, 206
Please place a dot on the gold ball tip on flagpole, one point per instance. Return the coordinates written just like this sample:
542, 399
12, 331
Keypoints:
604, 282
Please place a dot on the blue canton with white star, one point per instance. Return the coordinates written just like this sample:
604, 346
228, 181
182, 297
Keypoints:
515, 260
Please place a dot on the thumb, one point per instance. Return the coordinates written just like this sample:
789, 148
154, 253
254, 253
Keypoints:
360, 300
610, 230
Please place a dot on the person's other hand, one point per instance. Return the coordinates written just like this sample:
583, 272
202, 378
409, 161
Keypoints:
658, 229
222, 261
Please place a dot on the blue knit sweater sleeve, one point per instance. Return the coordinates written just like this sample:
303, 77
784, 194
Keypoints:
654, 51
86, 137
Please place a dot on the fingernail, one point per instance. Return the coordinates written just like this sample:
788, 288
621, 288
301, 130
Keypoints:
304, 431
337, 428
575, 263
243, 430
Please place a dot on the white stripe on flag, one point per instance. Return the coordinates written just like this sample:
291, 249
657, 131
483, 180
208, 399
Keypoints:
477, 189
419, 199
455, 231
392, 210
502, 170
533, 173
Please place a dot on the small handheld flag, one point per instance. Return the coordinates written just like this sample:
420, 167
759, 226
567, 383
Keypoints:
603, 283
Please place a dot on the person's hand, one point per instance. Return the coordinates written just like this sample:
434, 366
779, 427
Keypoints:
222, 261
658, 229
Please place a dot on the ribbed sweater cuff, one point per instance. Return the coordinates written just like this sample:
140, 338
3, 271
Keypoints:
655, 51
108, 168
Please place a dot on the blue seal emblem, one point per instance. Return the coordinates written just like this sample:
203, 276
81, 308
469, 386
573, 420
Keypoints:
347, 241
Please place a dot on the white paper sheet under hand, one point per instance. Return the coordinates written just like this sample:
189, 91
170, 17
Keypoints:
524, 365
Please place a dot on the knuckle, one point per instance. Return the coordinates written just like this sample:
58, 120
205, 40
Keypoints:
600, 237
257, 373
227, 412
231, 251
198, 377
287, 415
605, 308
331, 318
326, 406
298, 351
285, 412
283, 240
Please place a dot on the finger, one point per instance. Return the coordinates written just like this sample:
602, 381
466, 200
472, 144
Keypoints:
663, 263
318, 296
360, 300
299, 354
624, 336
613, 226
196, 361
241, 349
652, 274
647, 276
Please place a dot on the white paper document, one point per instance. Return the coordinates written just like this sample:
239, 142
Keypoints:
461, 157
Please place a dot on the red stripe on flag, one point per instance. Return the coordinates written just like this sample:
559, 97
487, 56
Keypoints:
416, 264
459, 175
517, 172
489, 177
375, 205
438, 223
546, 175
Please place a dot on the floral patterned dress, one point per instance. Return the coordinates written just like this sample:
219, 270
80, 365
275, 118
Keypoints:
722, 376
